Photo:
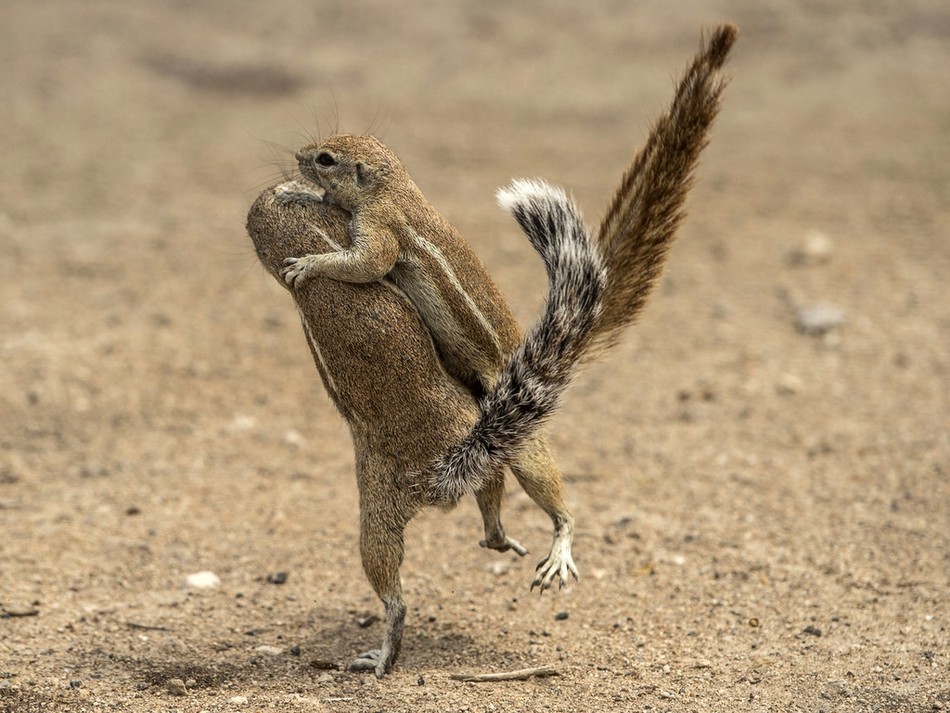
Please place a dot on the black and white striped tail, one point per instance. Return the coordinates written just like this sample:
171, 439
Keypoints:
530, 386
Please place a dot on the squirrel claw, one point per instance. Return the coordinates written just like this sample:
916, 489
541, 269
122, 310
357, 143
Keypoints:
558, 563
295, 272
369, 661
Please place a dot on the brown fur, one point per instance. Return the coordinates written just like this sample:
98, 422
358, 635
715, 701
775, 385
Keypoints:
379, 365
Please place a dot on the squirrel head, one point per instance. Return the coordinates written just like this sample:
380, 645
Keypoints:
349, 168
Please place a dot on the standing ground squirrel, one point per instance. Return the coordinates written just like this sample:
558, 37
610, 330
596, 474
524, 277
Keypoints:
433, 419
410, 420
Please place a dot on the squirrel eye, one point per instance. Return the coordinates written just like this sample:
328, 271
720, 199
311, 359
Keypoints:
325, 159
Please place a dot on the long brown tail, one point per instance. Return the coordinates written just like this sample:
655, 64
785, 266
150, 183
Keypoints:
648, 207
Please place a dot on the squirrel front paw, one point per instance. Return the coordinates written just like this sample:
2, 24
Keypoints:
294, 192
297, 270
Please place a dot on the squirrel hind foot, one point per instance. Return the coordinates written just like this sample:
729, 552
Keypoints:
559, 563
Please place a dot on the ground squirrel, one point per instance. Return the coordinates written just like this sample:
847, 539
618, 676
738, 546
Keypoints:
409, 419
396, 233
430, 421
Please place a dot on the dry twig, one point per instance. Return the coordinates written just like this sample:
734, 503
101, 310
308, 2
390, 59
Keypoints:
522, 675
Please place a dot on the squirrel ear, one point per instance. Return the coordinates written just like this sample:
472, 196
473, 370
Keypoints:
362, 177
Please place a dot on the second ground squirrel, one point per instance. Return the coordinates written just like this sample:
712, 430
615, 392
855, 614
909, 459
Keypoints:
396, 234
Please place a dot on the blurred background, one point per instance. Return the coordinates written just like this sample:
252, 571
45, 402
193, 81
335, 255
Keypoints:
781, 410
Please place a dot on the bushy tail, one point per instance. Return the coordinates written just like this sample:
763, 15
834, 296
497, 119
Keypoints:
529, 388
648, 207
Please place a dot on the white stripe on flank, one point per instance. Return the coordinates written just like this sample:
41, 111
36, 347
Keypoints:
437, 255
316, 350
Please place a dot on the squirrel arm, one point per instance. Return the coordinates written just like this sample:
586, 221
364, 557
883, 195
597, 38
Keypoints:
371, 255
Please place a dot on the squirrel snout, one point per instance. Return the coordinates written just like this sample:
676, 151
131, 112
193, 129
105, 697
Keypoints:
301, 156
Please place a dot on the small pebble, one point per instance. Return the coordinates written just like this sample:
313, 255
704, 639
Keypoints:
176, 687
323, 665
819, 318
295, 651
367, 621
293, 438
269, 650
324, 678
816, 248
498, 568
203, 580
561, 616
788, 385
243, 423
277, 578
238, 700
812, 630
75, 684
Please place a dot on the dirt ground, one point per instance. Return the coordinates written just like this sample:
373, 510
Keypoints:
763, 513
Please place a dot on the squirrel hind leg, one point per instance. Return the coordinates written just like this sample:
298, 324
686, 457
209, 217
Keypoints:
382, 547
540, 477
489, 503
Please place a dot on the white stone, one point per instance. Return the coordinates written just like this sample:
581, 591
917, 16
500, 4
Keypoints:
818, 246
241, 423
203, 580
819, 318
293, 438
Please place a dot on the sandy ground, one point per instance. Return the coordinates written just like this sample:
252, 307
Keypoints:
764, 514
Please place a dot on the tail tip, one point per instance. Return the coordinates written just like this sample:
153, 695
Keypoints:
524, 191
720, 42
